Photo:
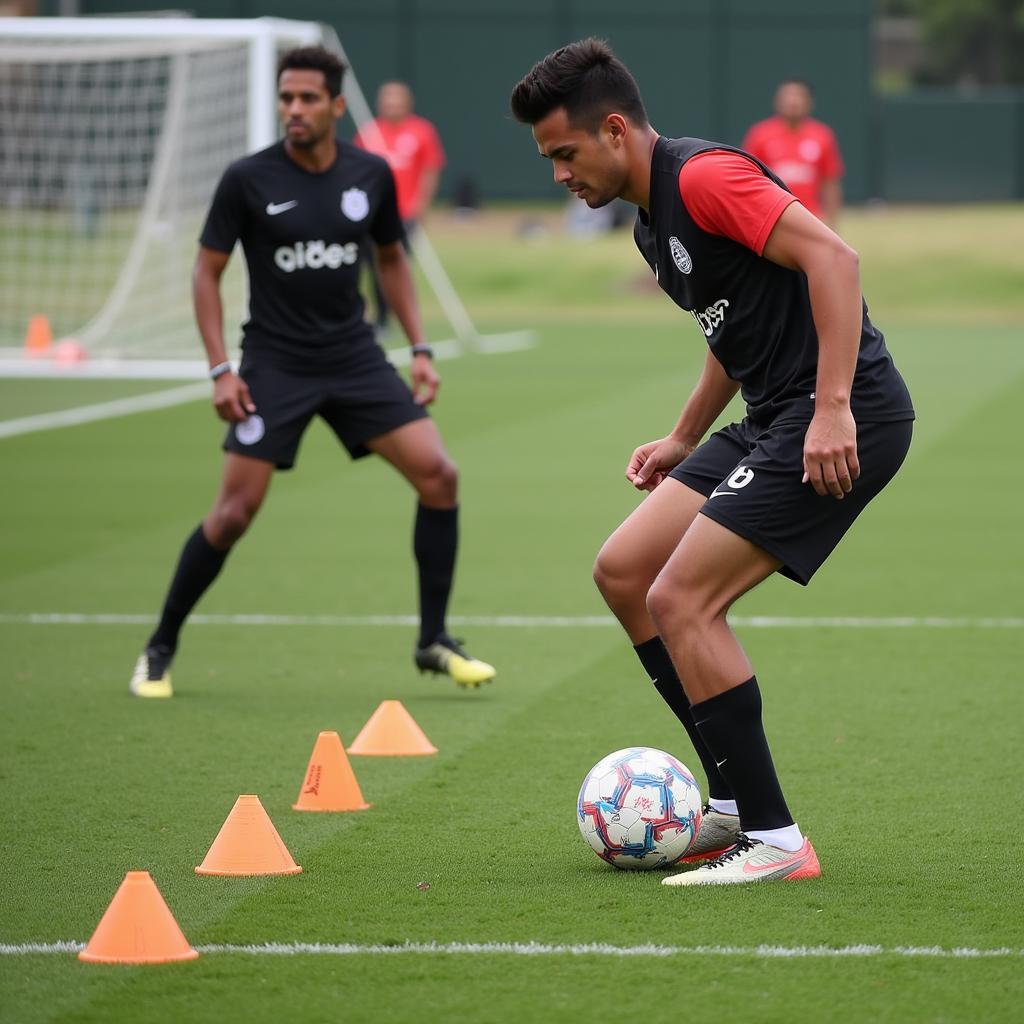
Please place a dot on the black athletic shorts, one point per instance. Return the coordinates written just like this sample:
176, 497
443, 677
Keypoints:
366, 399
751, 475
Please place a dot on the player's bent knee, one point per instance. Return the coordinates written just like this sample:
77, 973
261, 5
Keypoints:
609, 575
439, 483
672, 607
229, 520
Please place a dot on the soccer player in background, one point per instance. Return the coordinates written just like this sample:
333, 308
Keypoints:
411, 146
803, 152
777, 297
307, 210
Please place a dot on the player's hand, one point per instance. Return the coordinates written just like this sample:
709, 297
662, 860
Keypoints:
830, 452
652, 462
425, 379
231, 398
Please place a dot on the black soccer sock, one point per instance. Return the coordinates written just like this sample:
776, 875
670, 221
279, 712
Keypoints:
656, 661
198, 566
731, 725
435, 541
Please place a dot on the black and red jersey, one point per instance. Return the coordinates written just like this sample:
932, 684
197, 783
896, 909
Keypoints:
755, 314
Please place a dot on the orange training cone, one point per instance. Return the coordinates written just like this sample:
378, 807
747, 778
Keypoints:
38, 337
330, 783
137, 928
391, 731
248, 844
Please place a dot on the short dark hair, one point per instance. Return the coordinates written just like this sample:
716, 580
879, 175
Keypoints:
315, 58
584, 77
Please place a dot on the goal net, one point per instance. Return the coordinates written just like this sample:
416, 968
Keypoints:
115, 134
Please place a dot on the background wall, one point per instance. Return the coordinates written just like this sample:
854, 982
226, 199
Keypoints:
705, 67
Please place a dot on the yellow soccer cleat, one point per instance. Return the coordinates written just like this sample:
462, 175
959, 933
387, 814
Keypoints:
152, 675
446, 656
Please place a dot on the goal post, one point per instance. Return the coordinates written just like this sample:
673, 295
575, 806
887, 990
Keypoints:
116, 131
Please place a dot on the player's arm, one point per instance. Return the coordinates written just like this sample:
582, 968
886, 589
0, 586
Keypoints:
428, 187
651, 462
231, 397
800, 241
831, 201
395, 279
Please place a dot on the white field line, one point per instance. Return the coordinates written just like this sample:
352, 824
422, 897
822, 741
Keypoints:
488, 344
506, 621
15, 364
544, 949
104, 410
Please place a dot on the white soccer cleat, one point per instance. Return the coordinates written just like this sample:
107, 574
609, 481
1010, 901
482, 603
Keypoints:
717, 833
750, 860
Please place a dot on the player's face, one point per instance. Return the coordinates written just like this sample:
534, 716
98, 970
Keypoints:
793, 101
591, 165
394, 101
306, 108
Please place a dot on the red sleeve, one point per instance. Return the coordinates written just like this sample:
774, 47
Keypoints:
727, 194
433, 153
831, 159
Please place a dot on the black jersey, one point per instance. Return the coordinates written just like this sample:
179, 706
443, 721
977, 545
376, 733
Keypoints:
755, 314
304, 236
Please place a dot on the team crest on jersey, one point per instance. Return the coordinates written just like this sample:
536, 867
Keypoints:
354, 203
680, 255
250, 430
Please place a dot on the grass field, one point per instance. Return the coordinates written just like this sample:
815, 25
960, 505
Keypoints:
898, 740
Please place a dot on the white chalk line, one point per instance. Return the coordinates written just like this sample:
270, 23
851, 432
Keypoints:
509, 621
104, 410
488, 344
545, 949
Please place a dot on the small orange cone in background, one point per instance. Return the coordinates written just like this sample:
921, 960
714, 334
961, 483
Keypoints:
391, 732
248, 844
330, 783
39, 336
137, 928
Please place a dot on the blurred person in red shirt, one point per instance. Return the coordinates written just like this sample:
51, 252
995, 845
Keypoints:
412, 148
803, 152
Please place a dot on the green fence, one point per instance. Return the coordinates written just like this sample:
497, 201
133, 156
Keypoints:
706, 68
940, 146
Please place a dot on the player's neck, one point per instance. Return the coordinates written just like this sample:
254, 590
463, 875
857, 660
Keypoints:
317, 158
638, 184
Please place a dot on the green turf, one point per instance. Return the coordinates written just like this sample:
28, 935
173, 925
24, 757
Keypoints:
898, 748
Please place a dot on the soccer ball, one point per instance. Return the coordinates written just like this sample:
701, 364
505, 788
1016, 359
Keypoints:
639, 808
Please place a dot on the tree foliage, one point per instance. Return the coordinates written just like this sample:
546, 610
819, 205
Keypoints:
967, 41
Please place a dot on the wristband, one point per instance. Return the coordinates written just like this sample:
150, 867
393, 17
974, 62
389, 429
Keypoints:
219, 370
422, 349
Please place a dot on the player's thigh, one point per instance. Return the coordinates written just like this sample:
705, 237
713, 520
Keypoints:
244, 480
415, 449
638, 549
710, 568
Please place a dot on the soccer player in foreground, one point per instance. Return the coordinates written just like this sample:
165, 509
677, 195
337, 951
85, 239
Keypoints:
777, 296
307, 210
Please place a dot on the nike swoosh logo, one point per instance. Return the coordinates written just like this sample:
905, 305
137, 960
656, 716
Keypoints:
720, 763
716, 493
273, 209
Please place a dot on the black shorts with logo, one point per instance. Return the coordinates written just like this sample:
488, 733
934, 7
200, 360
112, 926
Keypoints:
363, 400
751, 474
